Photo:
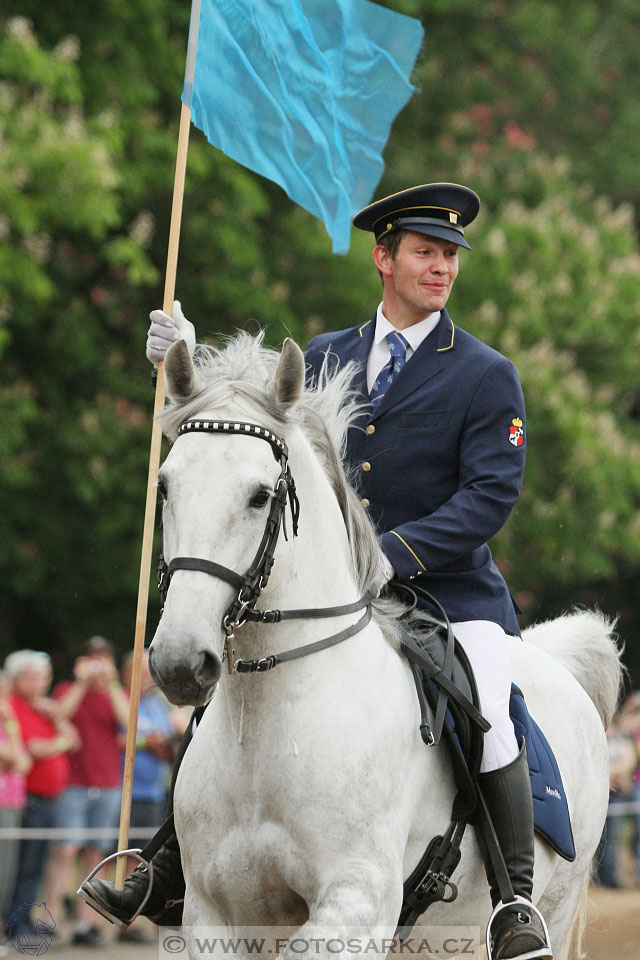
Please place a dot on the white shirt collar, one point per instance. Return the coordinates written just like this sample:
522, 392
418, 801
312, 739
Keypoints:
414, 335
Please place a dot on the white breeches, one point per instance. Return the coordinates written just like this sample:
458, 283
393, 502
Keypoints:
487, 647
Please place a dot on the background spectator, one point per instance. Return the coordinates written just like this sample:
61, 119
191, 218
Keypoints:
155, 751
97, 706
622, 766
48, 737
156, 745
630, 725
15, 763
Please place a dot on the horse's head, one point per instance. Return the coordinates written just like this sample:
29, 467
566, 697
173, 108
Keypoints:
218, 490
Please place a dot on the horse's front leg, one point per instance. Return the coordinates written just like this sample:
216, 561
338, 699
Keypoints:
202, 924
355, 902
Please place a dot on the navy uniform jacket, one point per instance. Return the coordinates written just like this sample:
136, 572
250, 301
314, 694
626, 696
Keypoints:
439, 462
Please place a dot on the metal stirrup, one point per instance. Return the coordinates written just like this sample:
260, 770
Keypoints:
134, 852
540, 952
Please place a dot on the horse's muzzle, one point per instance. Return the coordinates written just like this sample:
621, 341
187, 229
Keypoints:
189, 681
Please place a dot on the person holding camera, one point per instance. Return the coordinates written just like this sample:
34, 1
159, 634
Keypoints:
97, 706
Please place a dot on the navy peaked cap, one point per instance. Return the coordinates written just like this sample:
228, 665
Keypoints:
440, 210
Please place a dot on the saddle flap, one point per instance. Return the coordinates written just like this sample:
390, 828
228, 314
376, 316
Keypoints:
550, 808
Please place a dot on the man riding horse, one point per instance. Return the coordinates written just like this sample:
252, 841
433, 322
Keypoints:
439, 459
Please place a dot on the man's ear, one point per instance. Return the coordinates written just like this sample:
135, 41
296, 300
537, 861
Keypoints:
382, 259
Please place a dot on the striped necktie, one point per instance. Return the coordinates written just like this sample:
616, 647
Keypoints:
397, 359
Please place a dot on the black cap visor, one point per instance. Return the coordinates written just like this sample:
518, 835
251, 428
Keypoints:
441, 231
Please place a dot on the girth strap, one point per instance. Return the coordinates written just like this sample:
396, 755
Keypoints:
431, 882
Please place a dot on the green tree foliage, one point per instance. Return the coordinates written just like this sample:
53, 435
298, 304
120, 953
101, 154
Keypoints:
557, 289
532, 103
556, 77
72, 423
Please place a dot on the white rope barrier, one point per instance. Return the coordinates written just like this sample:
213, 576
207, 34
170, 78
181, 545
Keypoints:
71, 833
623, 808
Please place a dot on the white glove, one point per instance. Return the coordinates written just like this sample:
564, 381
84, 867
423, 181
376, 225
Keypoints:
385, 573
165, 330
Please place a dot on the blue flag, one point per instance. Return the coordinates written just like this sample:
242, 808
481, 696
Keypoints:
303, 92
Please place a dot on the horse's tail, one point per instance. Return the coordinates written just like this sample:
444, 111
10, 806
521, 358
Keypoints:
573, 946
584, 642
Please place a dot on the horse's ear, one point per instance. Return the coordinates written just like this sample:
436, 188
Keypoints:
289, 379
179, 373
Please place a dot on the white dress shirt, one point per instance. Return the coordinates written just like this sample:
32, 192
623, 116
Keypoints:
414, 335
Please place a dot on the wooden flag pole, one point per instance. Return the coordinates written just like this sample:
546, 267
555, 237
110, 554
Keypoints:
150, 508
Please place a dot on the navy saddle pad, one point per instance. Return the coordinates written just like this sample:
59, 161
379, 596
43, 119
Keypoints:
550, 809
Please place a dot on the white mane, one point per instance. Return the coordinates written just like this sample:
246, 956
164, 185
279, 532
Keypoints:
242, 371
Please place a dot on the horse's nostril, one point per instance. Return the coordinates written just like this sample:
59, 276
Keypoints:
209, 670
152, 668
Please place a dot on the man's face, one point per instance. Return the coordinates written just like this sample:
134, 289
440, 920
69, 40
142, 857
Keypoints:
419, 279
100, 667
146, 680
32, 682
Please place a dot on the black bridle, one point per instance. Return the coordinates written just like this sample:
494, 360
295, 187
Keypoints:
243, 608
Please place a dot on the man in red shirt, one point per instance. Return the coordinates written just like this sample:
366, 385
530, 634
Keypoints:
48, 738
97, 706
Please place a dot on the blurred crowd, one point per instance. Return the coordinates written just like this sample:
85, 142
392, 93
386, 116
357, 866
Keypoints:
618, 858
61, 767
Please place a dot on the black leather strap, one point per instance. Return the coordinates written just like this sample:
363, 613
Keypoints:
484, 823
205, 566
308, 613
165, 832
268, 663
415, 653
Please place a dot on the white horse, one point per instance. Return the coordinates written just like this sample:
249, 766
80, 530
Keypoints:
307, 795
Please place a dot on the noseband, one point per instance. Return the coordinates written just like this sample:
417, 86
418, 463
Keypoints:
243, 608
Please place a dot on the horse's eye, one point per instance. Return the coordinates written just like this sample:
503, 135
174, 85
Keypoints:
260, 499
162, 488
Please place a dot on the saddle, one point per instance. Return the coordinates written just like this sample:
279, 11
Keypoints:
445, 685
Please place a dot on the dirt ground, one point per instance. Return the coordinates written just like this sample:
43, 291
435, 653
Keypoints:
613, 933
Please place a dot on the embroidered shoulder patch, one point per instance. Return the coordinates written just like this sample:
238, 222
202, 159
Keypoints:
516, 432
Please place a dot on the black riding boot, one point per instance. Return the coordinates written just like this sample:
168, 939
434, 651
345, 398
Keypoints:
516, 929
166, 899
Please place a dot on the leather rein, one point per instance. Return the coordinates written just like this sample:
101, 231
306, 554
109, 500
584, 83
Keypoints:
243, 608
